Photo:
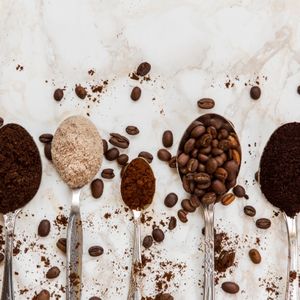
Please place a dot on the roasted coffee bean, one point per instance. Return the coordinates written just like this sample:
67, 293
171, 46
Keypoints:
97, 188
209, 198
225, 260
119, 140
143, 69
136, 93
173, 162
231, 167
96, 251
164, 154
236, 156
186, 184
80, 91
158, 235
105, 146
147, 241
189, 145
146, 155
183, 159
182, 215
61, 244
112, 154
132, 130
192, 186
203, 180
224, 145
255, 256
164, 296
221, 159
58, 94
192, 165
94, 298
206, 103
227, 199
230, 287
187, 206
239, 191
216, 151
197, 131
107, 173
44, 228
233, 143
199, 192
249, 211
47, 151
1, 121
218, 242
46, 138
223, 134
1, 257
192, 126
215, 143
194, 153
123, 159
203, 158
53, 273
230, 184
201, 168
195, 201
172, 223
263, 223
211, 166
167, 138
205, 150
205, 140
218, 187
212, 131
171, 200
221, 174
42, 295
255, 92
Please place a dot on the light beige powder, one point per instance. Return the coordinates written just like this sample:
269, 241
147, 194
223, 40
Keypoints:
77, 151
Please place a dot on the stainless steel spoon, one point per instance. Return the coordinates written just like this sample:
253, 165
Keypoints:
208, 210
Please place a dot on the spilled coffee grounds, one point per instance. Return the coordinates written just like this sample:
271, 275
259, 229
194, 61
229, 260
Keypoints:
20, 168
280, 169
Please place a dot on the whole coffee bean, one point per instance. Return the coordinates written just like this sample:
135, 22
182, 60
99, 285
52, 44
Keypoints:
227, 199
220, 160
183, 159
212, 131
206, 103
231, 167
1, 257
47, 151
209, 198
61, 244
119, 140
221, 174
136, 93
218, 187
239, 191
206, 150
132, 130
108, 173
263, 223
158, 235
255, 256
97, 188
164, 296
1, 121
186, 184
146, 155
43, 295
192, 165
143, 69
249, 211
194, 153
182, 215
171, 200
147, 241
53, 273
236, 156
223, 134
95, 251
203, 158
172, 223
46, 138
105, 146
216, 151
202, 178
204, 140
225, 260
44, 228
197, 131
167, 138
189, 145
211, 166
230, 287
164, 154
95, 298
80, 91
255, 92
201, 168
224, 145
58, 94
192, 126
187, 206
123, 159
173, 162
195, 200
112, 154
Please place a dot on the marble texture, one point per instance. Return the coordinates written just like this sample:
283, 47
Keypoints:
196, 49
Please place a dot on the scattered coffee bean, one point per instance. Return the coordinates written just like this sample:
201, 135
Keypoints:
164, 155
1, 257
167, 138
230, 287
105, 146
119, 140
227, 199
158, 235
136, 93
187, 206
108, 173
47, 151
112, 154
147, 241
97, 188
143, 69
1, 121
171, 200
58, 94
95, 251
249, 211
46, 138
44, 228
61, 244
148, 156
263, 223
209, 198
182, 215
255, 256
123, 159
80, 91
164, 296
298, 89
172, 223
173, 162
255, 92
42, 295
195, 201
239, 191
206, 103
95, 298
132, 130
53, 273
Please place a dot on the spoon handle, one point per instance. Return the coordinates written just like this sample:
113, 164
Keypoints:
74, 250
209, 257
292, 286
7, 284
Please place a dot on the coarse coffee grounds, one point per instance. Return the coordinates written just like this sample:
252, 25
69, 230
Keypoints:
138, 184
280, 169
20, 168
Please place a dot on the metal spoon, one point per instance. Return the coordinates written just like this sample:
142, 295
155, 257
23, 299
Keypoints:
135, 290
208, 210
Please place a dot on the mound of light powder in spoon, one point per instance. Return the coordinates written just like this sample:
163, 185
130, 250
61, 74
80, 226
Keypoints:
77, 151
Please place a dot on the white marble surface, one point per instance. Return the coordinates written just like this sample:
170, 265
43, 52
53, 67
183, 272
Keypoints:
194, 47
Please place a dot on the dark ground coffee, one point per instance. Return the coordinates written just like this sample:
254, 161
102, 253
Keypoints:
280, 169
20, 168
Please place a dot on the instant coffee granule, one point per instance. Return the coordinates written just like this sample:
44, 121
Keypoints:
280, 169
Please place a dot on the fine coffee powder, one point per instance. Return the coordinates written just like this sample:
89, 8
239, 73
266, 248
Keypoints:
138, 184
280, 169
20, 168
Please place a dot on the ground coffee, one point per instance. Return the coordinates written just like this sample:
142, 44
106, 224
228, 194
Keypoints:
280, 169
20, 168
138, 184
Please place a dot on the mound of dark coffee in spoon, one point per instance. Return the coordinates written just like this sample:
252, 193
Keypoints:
20, 168
280, 169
